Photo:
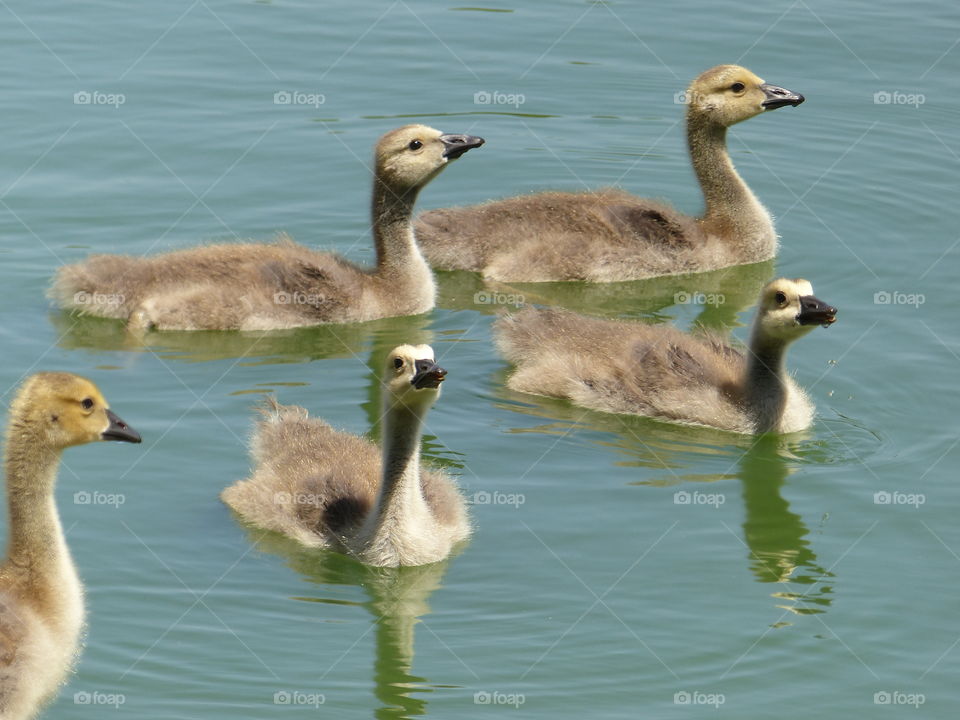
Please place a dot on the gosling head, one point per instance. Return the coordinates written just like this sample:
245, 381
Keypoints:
728, 94
413, 377
61, 410
411, 156
788, 310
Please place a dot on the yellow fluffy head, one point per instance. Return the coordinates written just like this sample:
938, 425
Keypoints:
788, 309
412, 375
62, 410
411, 156
728, 94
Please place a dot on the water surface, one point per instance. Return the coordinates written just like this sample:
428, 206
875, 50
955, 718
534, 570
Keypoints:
783, 585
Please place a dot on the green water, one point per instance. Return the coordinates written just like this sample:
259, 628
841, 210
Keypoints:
781, 589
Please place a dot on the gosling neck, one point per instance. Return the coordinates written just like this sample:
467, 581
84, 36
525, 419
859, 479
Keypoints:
765, 384
36, 543
732, 212
401, 498
397, 251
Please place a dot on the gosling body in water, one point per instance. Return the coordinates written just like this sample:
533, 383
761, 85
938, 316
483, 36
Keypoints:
660, 372
41, 596
610, 235
260, 286
326, 488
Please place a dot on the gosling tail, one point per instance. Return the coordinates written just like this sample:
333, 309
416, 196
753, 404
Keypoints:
103, 285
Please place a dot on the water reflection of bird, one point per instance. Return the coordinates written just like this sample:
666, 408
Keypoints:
776, 536
279, 346
718, 296
397, 599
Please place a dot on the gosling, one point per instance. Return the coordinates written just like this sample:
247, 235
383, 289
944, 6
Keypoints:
257, 286
659, 372
326, 488
610, 235
41, 596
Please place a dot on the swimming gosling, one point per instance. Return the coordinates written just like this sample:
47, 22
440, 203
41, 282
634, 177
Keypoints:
260, 286
326, 488
610, 235
41, 596
657, 371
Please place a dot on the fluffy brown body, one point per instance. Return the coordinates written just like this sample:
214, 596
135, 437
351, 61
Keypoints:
610, 235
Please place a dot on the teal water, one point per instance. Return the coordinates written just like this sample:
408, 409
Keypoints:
781, 588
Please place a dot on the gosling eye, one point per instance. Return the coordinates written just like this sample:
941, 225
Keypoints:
781, 298
87, 404
414, 145
398, 363
738, 87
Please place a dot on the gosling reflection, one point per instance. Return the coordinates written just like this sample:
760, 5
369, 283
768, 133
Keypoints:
397, 598
719, 295
79, 332
776, 536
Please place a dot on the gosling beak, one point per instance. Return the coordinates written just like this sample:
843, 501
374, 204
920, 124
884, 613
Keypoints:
119, 430
815, 312
457, 145
778, 97
429, 375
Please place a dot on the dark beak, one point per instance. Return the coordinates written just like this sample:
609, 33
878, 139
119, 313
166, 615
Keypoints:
119, 430
778, 97
457, 145
429, 375
815, 312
